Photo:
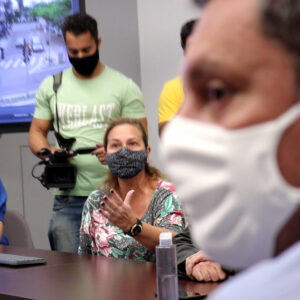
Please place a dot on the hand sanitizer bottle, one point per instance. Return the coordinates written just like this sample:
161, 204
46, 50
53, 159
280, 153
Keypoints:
166, 268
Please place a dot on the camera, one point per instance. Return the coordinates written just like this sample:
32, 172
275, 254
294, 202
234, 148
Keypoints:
58, 171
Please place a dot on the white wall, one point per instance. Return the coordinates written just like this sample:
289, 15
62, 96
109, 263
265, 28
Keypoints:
160, 22
118, 26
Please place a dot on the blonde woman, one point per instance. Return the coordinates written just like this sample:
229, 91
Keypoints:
123, 219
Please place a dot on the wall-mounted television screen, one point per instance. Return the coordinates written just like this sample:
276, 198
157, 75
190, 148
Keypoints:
31, 48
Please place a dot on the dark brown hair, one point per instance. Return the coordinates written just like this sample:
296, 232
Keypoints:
80, 23
281, 21
186, 31
152, 173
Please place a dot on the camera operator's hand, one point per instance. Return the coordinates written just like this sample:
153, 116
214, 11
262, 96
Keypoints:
55, 149
45, 152
100, 153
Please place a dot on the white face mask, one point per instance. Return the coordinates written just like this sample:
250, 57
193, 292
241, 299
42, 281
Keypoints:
231, 187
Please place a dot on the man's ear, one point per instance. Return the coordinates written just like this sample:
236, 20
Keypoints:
99, 42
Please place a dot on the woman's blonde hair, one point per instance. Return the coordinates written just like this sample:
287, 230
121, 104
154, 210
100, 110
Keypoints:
152, 173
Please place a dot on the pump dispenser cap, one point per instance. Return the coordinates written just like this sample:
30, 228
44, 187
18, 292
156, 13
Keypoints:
165, 239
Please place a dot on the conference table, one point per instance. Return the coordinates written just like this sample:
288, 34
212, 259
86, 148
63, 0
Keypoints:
73, 276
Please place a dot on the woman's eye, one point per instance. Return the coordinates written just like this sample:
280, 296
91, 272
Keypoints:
132, 143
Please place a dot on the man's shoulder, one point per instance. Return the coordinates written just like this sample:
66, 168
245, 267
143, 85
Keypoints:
172, 86
116, 75
64, 71
177, 81
48, 81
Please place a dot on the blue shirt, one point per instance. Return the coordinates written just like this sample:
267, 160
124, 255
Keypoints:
3, 197
275, 279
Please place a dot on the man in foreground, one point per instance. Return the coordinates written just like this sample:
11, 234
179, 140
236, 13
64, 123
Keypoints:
233, 150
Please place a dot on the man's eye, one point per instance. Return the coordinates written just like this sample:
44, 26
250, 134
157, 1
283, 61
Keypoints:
217, 94
216, 90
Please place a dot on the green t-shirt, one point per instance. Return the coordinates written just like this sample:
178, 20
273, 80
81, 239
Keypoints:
84, 108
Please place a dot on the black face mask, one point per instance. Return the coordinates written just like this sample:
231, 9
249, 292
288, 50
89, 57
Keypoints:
85, 66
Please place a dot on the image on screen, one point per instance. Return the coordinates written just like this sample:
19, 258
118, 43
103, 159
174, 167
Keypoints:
31, 48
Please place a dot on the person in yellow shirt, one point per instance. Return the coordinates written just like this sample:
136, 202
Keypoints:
172, 93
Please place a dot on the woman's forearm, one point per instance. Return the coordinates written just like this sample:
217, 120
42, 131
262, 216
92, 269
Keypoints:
149, 236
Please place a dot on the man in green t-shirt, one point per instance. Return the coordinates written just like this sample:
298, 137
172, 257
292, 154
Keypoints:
90, 95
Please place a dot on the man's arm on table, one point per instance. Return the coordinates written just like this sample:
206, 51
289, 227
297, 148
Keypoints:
194, 264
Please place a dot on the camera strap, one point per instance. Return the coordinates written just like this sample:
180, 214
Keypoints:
40, 178
64, 143
57, 78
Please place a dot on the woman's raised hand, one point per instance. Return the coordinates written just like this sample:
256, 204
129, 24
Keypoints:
117, 210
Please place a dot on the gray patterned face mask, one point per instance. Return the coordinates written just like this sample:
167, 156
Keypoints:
126, 163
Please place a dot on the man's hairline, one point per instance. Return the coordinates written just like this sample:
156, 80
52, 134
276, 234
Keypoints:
78, 34
259, 9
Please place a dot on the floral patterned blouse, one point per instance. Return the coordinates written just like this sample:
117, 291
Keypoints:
98, 236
